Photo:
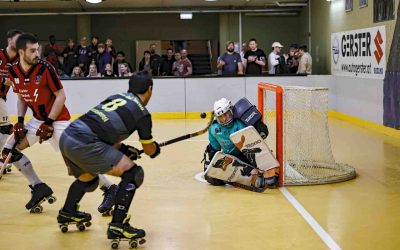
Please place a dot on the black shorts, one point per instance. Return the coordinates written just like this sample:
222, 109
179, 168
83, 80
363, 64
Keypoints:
84, 152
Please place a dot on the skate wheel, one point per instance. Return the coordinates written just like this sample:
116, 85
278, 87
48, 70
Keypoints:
88, 224
8, 170
108, 213
133, 244
37, 209
114, 244
63, 228
51, 199
81, 227
142, 241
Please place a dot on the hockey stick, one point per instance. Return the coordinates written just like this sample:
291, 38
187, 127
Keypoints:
187, 136
7, 160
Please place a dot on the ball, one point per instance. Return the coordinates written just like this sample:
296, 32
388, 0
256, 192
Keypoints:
203, 115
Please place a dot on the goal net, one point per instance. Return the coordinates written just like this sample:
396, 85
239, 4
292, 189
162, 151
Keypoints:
297, 118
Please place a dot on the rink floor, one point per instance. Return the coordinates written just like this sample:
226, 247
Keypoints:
180, 212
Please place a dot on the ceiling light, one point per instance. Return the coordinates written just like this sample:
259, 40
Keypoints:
290, 4
210, 0
94, 1
187, 15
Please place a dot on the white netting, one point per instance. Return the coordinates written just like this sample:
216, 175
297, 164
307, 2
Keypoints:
307, 153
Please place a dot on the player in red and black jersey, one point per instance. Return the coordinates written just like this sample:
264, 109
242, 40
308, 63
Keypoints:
39, 88
8, 55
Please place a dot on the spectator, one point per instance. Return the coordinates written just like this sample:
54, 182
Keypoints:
305, 64
93, 71
70, 58
125, 72
110, 48
292, 58
230, 62
103, 58
93, 48
82, 53
108, 72
62, 74
155, 60
273, 58
145, 62
120, 59
177, 64
254, 59
185, 65
166, 63
51, 52
77, 72
245, 48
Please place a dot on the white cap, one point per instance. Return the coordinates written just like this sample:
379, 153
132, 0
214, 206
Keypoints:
277, 44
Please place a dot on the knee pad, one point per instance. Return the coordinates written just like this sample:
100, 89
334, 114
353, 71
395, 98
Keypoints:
89, 186
6, 129
15, 157
133, 178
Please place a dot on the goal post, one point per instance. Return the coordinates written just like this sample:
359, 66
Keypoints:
297, 118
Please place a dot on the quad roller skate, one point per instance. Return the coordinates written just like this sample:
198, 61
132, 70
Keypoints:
80, 219
118, 232
7, 169
40, 193
106, 207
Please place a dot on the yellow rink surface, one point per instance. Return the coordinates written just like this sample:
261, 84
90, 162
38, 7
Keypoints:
179, 212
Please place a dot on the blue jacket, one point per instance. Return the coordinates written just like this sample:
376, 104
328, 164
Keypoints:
219, 136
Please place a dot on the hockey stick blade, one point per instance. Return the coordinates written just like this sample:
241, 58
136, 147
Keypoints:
187, 136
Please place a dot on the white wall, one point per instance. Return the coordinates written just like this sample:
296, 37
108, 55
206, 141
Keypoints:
362, 98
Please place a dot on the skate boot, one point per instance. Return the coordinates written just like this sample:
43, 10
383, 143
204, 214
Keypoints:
40, 193
106, 207
123, 231
81, 219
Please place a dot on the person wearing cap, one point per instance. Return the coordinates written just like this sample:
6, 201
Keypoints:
91, 145
273, 57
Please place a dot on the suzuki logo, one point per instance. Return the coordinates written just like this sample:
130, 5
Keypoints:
378, 42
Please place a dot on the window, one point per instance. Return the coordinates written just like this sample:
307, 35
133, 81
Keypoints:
383, 10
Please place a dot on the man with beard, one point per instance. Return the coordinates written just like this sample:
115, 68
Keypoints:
8, 55
155, 60
38, 87
230, 62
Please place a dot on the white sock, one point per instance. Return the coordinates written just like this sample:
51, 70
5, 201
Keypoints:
104, 182
25, 166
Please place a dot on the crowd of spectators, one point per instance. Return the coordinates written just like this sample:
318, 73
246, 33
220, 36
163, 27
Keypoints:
100, 59
253, 61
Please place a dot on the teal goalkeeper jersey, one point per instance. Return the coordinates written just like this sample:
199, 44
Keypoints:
219, 136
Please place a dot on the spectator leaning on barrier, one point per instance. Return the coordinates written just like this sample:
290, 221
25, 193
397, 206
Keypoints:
82, 53
166, 63
93, 71
119, 60
292, 58
305, 63
186, 68
155, 60
77, 72
70, 58
177, 64
230, 62
145, 63
273, 57
125, 72
254, 59
51, 52
108, 72
103, 58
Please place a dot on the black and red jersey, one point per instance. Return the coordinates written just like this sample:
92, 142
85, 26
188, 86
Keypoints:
5, 62
37, 87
